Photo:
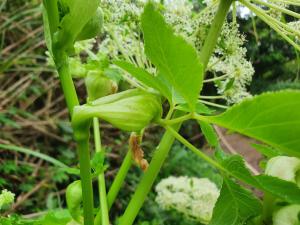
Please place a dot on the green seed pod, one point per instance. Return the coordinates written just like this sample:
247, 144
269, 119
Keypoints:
99, 86
284, 167
93, 27
287, 215
74, 199
130, 110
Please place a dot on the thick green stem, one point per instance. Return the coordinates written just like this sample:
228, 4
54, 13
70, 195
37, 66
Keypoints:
86, 178
148, 178
117, 184
62, 65
214, 32
163, 149
101, 177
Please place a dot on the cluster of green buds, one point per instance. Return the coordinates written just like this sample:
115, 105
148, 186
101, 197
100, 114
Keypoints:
130, 110
286, 168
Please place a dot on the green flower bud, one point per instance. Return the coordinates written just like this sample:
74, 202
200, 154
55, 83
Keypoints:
130, 110
287, 215
93, 27
74, 199
99, 86
284, 167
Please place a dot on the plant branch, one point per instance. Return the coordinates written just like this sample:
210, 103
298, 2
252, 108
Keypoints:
214, 32
62, 65
101, 177
148, 178
86, 180
117, 184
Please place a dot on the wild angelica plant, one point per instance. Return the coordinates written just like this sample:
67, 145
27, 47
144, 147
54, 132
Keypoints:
177, 78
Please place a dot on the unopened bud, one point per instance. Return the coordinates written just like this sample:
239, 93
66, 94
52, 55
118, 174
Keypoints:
130, 110
284, 167
98, 85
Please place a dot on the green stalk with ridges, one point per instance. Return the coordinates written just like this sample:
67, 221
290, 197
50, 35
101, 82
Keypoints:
163, 149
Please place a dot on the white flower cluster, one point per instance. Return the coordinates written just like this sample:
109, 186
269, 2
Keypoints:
275, 12
194, 197
295, 25
6, 198
123, 40
233, 72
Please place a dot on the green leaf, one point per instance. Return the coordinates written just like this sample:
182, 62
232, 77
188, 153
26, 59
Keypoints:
200, 108
235, 205
175, 59
80, 12
286, 190
235, 165
209, 133
97, 163
266, 150
47, 32
34, 153
272, 118
146, 78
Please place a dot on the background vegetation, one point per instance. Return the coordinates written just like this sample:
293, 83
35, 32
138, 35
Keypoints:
33, 115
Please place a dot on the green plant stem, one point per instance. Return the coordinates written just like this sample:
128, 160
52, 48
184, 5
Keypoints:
119, 179
176, 120
194, 149
214, 104
101, 177
162, 151
117, 184
148, 179
62, 65
278, 8
86, 181
214, 32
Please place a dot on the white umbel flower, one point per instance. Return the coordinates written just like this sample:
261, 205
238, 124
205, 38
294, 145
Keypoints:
123, 40
194, 197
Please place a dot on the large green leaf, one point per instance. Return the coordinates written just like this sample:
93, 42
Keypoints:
175, 59
235, 205
235, 165
273, 118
